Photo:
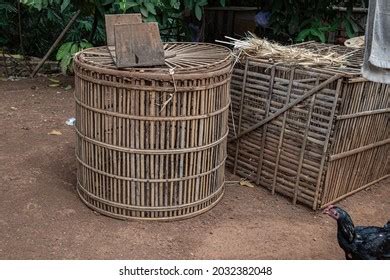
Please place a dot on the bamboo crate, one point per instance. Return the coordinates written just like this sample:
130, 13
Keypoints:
314, 135
151, 142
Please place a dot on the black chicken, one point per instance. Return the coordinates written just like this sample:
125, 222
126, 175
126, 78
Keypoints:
360, 243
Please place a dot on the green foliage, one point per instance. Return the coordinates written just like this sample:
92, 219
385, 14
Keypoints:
311, 20
7, 8
67, 51
43, 20
316, 30
7, 14
41, 4
350, 26
173, 17
38, 27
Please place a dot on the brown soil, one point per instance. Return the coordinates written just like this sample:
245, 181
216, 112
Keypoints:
41, 216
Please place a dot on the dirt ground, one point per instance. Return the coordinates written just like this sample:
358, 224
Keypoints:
41, 216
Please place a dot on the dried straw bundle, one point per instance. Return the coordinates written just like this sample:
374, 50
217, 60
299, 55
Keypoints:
253, 46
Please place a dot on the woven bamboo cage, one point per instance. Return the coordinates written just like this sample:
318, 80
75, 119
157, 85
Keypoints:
151, 142
315, 135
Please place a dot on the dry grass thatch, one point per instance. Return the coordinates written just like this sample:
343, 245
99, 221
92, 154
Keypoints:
253, 46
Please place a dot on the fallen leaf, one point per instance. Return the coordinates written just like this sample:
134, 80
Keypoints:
54, 80
54, 85
14, 108
55, 132
68, 87
246, 183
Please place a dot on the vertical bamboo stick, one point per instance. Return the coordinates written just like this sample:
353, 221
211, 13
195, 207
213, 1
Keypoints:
264, 132
282, 131
302, 152
240, 114
325, 148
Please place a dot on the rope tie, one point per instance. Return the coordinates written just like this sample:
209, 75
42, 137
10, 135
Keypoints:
172, 73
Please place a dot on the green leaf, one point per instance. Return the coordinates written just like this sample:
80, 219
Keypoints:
198, 12
37, 5
175, 4
151, 18
122, 6
74, 49
131, 4
222, 3
320, 35
65, 62
85, 45
53, 16
348, 29
353, 24
63, 50
201, 3
144, 11
64, 5
150, 7
303, 35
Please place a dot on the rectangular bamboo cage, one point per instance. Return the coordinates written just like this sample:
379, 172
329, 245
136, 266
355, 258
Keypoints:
315, 135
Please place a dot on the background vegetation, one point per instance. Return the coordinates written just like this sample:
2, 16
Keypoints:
31, 26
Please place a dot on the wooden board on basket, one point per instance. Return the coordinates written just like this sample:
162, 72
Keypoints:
111, 20
132, 43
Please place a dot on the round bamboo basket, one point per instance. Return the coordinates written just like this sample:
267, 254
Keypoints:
151, 142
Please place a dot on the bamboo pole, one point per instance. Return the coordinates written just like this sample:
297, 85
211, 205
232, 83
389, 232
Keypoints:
282, 131
303, 148
363, 114
263, 136
354, 191
359, 150
327, 140
288, 106
56, 42
240, 114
